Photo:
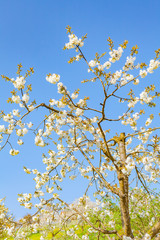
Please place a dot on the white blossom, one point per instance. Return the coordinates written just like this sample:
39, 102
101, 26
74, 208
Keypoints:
54, 78
19, 83
107, 65
2, 128
143, 73
92, 63
16, 99
14, 152
25, 98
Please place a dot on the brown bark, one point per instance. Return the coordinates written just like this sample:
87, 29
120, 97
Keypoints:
153, 231
123, 184
158, 237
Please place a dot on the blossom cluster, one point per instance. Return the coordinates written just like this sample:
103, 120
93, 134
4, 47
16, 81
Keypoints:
74, 41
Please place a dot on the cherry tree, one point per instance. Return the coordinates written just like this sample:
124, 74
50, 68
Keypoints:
85, 140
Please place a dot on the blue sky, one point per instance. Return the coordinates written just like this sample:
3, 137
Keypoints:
33, 33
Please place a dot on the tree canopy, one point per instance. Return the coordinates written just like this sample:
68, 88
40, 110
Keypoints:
113, 136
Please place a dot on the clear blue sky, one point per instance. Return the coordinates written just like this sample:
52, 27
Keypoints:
33, 33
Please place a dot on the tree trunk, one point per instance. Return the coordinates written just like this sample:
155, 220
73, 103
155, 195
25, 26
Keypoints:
123, 184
